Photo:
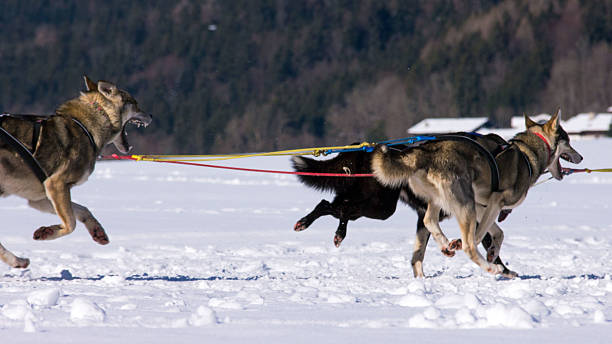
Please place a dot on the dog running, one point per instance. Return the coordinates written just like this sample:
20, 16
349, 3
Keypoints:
451, 176
366, 197
43, 157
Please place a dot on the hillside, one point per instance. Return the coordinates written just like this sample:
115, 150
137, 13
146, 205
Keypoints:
228, 76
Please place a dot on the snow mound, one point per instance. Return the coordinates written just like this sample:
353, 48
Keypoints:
203, 316
508, 316
413, 300
44, 298
16, 310
86, 311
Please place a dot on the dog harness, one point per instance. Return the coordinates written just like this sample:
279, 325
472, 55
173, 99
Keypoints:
490, 157
466, 137
28, 155
526, 158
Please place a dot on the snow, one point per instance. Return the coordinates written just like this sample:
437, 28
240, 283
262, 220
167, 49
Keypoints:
85, 311
207, 255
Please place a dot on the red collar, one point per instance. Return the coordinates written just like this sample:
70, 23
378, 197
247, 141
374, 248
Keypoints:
547, 144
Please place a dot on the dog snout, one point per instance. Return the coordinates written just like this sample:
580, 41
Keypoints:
144, 118
577, 159
573, 157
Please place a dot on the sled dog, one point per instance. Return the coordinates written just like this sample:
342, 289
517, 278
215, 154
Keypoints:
451, 176
357, 197
65, 146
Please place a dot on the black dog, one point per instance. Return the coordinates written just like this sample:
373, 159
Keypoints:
364, 196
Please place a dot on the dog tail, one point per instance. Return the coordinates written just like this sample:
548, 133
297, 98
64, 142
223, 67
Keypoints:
391, 168
335, 165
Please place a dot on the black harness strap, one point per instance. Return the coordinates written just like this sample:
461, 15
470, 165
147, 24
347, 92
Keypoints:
23, 151
525, 157
28, 155
89, 136
490, 158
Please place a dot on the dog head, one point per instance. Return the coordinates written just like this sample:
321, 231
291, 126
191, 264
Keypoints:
557, 141
121, 107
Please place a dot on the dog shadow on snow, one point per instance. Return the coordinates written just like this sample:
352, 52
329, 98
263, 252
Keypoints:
570, 277
66, 275
183, 278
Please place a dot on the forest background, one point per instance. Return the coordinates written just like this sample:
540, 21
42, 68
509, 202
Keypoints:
226, 76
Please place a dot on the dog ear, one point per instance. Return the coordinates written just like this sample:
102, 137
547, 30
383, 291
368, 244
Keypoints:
107, 89
528, 122
89, 84
553, 122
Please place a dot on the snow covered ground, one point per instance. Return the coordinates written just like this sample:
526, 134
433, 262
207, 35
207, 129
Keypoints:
206, 255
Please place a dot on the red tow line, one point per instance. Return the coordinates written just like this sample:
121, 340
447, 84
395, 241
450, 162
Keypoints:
129, 157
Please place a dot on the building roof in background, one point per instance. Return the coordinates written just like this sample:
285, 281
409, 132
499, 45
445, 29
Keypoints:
448, 125
588, 122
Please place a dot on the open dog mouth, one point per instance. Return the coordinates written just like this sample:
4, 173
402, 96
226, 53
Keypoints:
138, 123
139, 120
560, 168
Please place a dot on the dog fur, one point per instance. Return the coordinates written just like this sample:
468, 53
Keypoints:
67, 156
452, 177
357, 197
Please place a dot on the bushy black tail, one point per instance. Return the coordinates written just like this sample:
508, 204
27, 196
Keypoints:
349, 163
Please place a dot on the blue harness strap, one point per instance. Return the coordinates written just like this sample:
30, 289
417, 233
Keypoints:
395, 142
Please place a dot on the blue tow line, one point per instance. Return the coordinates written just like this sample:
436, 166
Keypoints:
403, 141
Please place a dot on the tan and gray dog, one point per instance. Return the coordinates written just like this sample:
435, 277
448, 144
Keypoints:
453, 177
65, 147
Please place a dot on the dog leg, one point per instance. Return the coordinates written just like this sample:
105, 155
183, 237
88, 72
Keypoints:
340, 232
467, 224
95, 229
420, 244
492, 242
488, 216
322, 209
432, 222
11, 260
83, 215
59, 195
497, 237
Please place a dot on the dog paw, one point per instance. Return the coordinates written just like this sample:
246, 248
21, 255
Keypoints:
495, 269
20, 263
448, 252
455, 245
99, 235
300, 226
509, 274
417, 270
46, 232
338, 240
